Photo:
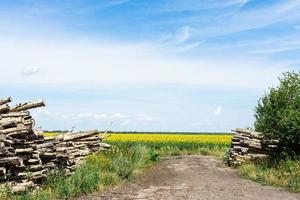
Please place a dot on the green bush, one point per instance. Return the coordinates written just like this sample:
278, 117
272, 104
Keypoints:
278, 115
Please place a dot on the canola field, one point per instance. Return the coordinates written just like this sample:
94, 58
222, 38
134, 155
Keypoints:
180, 141
201, 138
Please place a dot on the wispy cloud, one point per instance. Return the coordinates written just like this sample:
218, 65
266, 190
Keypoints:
218, 111
182, 34
243, 17
30, 70
194, 5
188, 46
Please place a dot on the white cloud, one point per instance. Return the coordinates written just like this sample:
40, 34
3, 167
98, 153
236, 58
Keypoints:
30, 70
218, 111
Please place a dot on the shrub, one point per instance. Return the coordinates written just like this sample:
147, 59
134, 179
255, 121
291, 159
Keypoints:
278, 114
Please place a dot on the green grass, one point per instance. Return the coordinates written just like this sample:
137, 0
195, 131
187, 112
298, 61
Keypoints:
181, 148
284, 174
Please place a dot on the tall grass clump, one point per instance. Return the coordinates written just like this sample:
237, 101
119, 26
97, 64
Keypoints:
179, 148
127, 159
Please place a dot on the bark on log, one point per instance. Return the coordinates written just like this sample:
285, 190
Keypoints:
24, 150
28, 105
21, 187
4, 108
249, 133
12, 160
74, 136
15, 114
8, 123
15, 130
5, 101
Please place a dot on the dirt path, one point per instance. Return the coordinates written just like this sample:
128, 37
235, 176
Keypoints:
193, 177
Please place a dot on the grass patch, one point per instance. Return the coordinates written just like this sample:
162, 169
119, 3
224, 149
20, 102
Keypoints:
284, 174
181, 148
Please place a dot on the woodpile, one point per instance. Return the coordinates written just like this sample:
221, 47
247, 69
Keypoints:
26, 157
66, 151
248, 145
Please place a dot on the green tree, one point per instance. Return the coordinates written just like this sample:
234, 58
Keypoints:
278, 114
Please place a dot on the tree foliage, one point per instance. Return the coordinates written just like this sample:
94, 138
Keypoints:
278, 114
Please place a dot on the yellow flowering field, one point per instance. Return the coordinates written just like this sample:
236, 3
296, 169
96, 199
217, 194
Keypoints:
49, 134
193, 138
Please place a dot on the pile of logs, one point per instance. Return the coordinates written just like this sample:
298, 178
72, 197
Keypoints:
248, 145
26, 156
66, 151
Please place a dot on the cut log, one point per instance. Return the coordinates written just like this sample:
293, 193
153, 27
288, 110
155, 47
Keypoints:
12, 161
24, 150
15, 130
21, 187
28, 105
74, 136
4, 108
8, 123
249, 133
15, 114
5, 100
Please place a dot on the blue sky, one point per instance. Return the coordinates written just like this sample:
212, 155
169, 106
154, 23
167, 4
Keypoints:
146, 65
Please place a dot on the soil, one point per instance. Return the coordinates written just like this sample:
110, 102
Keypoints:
192, 177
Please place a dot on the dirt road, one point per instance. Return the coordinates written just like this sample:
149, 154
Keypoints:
193, 177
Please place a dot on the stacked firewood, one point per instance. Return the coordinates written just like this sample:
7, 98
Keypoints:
67, 151
26, 157
19, 159
248, 145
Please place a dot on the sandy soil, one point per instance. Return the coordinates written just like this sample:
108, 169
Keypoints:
193, 177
